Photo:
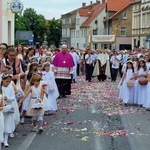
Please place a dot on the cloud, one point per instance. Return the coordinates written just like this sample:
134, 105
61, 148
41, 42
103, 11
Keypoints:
53, 8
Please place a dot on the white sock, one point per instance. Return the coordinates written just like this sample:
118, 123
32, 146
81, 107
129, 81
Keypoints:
6, 138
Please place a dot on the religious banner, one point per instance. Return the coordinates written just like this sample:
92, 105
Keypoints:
103, 38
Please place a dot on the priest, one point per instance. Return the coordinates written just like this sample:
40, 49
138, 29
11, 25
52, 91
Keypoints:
63, 63
100, 67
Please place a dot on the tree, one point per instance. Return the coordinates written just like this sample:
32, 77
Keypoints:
30, 20
55, 31
19, 23
35, 23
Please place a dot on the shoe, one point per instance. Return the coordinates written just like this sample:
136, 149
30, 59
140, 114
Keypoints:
34, 129
6, 145
40, 130
125, 104
22, 121
11, 135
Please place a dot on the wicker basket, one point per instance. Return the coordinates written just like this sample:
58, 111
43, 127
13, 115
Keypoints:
143, 82
130, 84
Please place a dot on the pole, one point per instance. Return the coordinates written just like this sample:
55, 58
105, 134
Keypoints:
90, 38
139, 42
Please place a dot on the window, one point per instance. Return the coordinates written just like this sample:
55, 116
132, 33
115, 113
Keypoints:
123, 31
77, 34
77, 21
124, 15
94, 32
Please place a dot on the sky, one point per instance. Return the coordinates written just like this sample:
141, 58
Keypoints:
54, 8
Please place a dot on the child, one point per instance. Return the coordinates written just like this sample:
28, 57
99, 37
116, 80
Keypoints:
128, 92
37, 93
140, 90
51, 89
33, 68
9, 98
1, 119
147, 101
25, 104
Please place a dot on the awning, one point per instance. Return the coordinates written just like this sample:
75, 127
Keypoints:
103, 39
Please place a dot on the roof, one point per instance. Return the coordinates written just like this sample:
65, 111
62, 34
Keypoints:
116, 5
83, 12
124, 7
92, 13
118, 12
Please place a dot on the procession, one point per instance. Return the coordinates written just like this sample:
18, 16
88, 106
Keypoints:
74, 75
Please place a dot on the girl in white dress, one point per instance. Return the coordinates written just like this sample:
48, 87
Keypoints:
37, 93
147, 101
140, 90
9, 99
147, 62
1, 119
26, 102
51, 88
128, 92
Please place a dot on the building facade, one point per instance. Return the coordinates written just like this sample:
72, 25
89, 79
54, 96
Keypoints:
141, 24
6, 23
145, 23
122, 28
76, 25
118, 21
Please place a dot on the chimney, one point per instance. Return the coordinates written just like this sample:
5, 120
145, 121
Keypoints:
98, 2
103, 1
83, 5
91, 2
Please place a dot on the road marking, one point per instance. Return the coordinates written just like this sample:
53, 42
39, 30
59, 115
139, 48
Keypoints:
27, 142
99, 141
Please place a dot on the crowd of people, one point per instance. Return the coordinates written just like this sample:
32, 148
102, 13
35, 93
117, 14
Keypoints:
32, 80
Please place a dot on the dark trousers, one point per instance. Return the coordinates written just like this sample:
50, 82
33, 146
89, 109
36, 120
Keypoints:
114, 74
89, 70
120, 70
64, 86
78, 69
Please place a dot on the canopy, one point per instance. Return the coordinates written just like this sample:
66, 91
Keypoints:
103, 39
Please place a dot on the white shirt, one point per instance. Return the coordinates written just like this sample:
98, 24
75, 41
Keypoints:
89, 60
115, 62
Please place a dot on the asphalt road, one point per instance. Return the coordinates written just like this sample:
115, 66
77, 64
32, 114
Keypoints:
92, 118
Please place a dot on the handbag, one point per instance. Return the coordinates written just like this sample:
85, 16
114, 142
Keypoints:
38, 105
20, 92
143, 82
8, 109
130, 84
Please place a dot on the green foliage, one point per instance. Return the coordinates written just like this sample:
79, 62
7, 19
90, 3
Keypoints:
55, 31
19, 23
30, 20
